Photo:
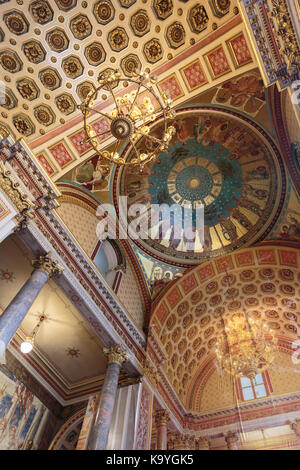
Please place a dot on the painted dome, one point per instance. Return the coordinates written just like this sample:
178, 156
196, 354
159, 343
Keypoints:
216, 160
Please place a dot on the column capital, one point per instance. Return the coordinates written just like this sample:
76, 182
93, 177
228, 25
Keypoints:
203, 443
295, 426
231, 438
162, 417
47, 264
116, 354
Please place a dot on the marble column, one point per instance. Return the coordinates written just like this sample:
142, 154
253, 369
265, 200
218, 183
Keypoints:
161, 421
100, 431
15, 312
232, 440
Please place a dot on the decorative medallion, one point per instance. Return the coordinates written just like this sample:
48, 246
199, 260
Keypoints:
130, 63
140, 23
220, 7
118, 39
205, 166
81, 26
65, 103
44, 115
23, 125
197, 18
34, 51
1, 35
72, 67
16, 22
57, 40
163, 8
10, 61
41, 11
175, 35
95, 53
126, 3
9, 101
104, 11
83, 89
66, 5
7, 276
153, 51
73, 352
50, 78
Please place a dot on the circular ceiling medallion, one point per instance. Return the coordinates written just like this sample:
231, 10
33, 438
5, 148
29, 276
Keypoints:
219, 161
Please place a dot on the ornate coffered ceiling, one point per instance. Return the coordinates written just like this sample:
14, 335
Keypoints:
265, 281
52, 52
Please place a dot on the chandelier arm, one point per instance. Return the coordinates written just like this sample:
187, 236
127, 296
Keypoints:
136, 151
113, 95
99, 112
136, 95
97, 135
150, 136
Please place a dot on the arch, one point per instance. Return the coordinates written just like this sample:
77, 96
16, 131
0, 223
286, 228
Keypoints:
73, 423
187, 319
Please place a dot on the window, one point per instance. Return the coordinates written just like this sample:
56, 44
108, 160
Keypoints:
253, 388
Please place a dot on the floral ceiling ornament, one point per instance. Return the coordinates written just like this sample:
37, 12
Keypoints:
104, 11
16, 22
81, 27
34, 51
130, 120
118, 39
41, 12
7, 276
175, 35
140, 23
198, 18
163, 8
220, 7
153, 51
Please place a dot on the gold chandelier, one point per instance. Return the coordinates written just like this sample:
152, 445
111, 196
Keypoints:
246, 346
130, 118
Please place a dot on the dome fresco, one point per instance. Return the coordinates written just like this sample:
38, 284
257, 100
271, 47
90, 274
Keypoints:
217, 160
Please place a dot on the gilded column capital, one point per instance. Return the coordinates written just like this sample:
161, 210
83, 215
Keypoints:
47, 264
203, 443
295, 426
116, 354
162, 417
231, 439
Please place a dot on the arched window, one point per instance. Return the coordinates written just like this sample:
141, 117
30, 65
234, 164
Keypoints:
252, 389
110, 261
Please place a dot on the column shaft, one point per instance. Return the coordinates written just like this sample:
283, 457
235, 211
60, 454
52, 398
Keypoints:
16, 311
100, 431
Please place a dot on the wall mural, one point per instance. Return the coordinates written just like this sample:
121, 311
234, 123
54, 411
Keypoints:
216, 160
20, 414
246, 92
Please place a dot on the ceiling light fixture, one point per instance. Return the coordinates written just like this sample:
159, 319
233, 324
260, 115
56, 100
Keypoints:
246, 346
27, 345
130, 120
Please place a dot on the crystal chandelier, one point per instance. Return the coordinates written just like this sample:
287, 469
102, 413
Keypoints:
130, 118
246, 346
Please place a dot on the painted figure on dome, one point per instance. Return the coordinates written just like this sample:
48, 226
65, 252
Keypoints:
92, 174
291, 227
